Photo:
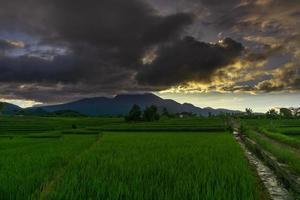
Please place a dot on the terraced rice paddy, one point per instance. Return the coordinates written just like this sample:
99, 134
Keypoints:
89, 162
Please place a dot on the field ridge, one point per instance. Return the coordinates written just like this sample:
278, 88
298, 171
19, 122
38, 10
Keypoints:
277, 142
48, 186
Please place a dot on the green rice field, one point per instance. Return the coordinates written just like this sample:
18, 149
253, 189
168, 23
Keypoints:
26, 164
95, 158
159, 166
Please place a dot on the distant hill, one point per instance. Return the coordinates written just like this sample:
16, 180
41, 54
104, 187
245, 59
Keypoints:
10, 109
121, 104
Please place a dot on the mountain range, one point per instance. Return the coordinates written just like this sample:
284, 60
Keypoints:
10, 109
120, 105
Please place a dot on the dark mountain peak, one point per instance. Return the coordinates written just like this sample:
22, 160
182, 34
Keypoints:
10, 108
136, 96
10, 105
92, 100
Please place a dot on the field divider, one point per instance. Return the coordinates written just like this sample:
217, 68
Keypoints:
48, 186
165, 130
282, 174
267, 175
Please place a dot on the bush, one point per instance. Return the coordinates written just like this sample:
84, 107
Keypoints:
134, 114
151, 114
74, 126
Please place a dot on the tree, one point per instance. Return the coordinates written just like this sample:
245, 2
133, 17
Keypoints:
2, 105
151, 114
134, 114
272, 113
249, 112
286, 113
296, 111
209, 114
165, 112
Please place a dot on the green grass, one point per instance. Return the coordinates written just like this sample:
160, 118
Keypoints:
296, 137
279, 137
26, 164
272, 123
291, 131
17, 125
286, 155
176, 124
80, 132
285, 131
164, 165
62, 158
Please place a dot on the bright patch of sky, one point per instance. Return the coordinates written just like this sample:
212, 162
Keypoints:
21, 103
259, 103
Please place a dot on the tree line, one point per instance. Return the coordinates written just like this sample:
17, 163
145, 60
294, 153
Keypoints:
136, 114
288, 113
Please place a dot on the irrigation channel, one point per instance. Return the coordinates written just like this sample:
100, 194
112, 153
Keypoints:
268, 177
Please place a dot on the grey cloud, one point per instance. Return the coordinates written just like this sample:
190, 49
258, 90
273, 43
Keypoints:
106, 40
189, 60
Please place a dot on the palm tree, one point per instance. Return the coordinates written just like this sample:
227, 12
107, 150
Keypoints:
249, 111
272, 113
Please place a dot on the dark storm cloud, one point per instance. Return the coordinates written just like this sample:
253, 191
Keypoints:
104, 42
189, 60
125, 29
98, 46
27, 69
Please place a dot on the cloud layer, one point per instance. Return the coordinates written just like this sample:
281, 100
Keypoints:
57, 50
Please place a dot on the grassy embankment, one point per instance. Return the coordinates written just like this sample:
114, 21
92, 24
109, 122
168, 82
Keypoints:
278, 137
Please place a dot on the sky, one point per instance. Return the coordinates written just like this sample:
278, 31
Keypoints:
223, 54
